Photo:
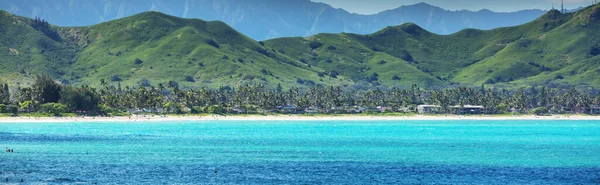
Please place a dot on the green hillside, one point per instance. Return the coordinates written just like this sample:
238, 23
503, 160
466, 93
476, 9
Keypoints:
151, 48
555, 49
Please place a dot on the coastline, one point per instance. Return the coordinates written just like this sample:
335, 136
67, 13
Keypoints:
291, 118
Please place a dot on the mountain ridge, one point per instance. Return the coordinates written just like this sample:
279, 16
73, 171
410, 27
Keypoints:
152, 48
266, 19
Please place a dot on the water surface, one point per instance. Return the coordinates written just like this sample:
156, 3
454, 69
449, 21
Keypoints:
304, 152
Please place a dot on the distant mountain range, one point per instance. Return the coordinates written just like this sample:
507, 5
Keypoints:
266, 19
149, 48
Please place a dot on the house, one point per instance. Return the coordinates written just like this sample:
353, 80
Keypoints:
290, 109
352, 110
373, 110
429, 109
385, 109
406, 109
593, 109
311, 110
468, 109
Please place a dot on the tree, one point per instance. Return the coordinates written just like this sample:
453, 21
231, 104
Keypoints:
83, 99
46, 90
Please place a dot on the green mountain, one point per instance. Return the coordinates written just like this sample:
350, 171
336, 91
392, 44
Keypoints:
147, 48
151, 48
552, 50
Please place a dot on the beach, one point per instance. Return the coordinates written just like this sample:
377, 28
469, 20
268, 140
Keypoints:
155, 118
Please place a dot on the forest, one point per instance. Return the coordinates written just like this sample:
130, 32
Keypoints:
49, 97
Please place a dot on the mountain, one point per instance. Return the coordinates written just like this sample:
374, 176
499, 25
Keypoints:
147, 48
555, 49
266, 19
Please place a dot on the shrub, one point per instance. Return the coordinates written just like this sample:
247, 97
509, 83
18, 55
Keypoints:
115, 78
540, 111
381, 62
215, 110
373, 78
12, 109
212, 43
225, 57
189, 79
266, 72
138, 61
144, 82
248, 77
333, 74
54, 108
559, 77
197, 110
173, 83
106, 110
407, 57
595, 51
315, 44
396, 77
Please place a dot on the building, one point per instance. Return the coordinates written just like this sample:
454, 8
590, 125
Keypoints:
311, 110
429, 109
468, 109
290, 109
593, 110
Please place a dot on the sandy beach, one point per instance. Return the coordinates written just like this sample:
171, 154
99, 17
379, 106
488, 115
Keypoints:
289, 118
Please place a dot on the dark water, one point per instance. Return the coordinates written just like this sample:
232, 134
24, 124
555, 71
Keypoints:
334, 152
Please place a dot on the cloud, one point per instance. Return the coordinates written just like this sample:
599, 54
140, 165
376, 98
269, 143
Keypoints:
186, 8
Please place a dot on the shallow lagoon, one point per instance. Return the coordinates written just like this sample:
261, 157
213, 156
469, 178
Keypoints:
301, 152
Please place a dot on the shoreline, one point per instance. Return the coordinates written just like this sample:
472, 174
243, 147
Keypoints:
205, 118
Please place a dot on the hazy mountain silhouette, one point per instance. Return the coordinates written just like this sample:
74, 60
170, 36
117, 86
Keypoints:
265, 19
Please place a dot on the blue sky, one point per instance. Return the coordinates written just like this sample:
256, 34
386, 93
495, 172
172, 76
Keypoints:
375, 6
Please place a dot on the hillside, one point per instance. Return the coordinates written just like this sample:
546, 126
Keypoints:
267, 19
150, 48
555, 49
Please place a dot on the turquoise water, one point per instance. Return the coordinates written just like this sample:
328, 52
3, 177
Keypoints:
303, 152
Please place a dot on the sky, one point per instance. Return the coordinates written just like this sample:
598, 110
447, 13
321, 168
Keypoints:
376, 6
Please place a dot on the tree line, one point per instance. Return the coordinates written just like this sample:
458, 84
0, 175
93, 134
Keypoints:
49, 96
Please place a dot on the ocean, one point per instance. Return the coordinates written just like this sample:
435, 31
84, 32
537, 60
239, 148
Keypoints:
302, 152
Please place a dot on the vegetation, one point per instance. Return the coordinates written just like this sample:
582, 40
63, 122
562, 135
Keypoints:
557, 50
47, 96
